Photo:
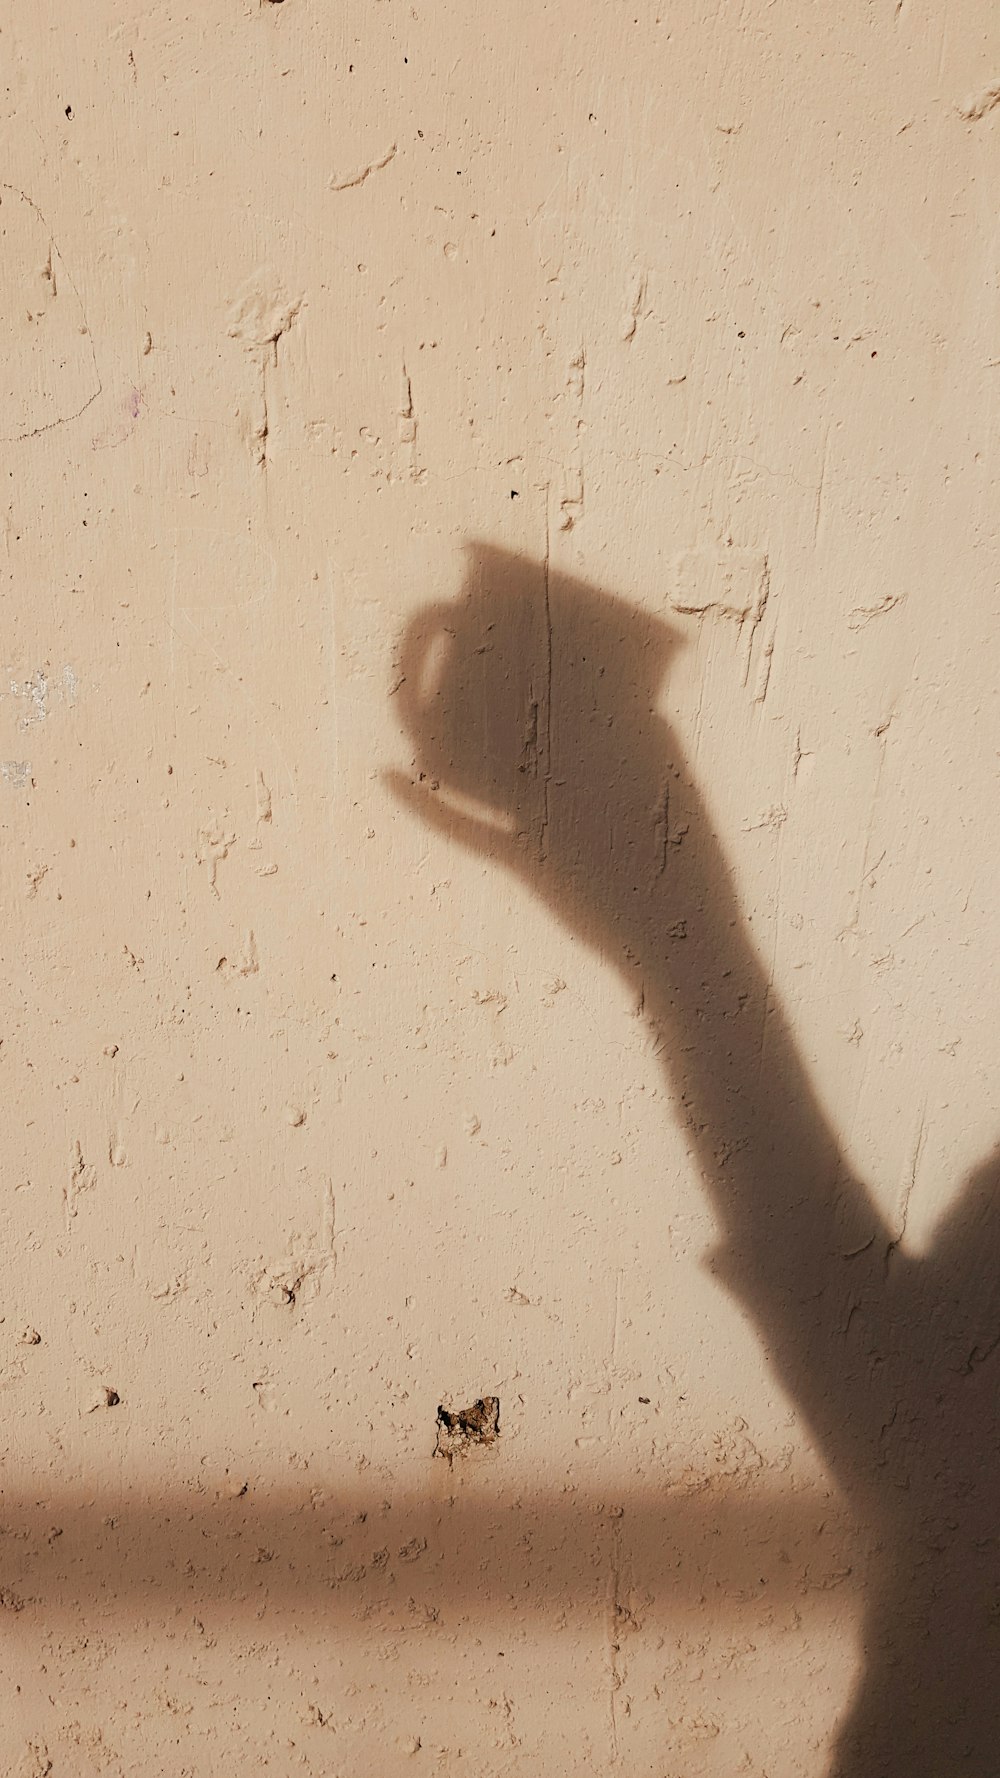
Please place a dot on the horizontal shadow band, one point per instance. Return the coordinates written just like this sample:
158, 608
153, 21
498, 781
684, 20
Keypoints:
405, 1563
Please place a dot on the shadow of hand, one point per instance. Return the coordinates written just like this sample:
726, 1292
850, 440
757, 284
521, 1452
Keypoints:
557, 768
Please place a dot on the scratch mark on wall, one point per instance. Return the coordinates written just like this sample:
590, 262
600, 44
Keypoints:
764, 676
264, 814
263, 424
661, 831
547, 716
616, 1329
571, 502
406, 432
407, 423
756, 619
803, 759
864, 614
258, 317
214, 841
617, 1615
359, 178
82, 1178
635, 307
80, 330
911, 1180
820, 486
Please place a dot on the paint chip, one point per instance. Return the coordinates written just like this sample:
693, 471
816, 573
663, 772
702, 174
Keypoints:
478, 1425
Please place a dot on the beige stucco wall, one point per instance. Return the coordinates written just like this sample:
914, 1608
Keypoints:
665, 339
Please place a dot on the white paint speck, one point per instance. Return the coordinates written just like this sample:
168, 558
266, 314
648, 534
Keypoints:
36, 692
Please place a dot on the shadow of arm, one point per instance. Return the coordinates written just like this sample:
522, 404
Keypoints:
542, 709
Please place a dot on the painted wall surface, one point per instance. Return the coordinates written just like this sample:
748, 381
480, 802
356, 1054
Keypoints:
499, 738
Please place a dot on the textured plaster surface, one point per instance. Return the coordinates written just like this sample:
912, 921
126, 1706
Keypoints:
441, 1328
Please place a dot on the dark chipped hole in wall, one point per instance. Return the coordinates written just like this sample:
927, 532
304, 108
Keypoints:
478, 1425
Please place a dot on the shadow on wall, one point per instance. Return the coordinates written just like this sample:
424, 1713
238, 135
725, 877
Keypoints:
532, 708
350, 1558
